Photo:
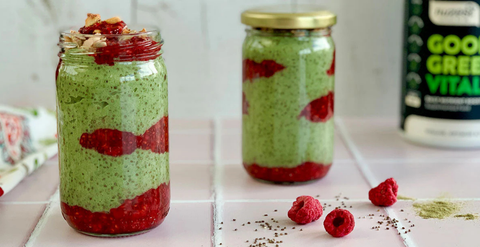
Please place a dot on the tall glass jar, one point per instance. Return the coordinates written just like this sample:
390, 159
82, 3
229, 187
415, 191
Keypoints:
288, 92
112, 109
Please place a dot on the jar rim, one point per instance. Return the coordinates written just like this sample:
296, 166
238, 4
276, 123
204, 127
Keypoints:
149, 32
301, 16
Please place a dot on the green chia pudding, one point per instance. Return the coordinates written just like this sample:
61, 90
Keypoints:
288, 94
112, 108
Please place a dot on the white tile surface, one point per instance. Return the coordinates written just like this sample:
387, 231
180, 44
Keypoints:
435, 178
191, 147
312, 234
17, 222
190, 181
186, 225
202, 197
342, 178
442, 233
379, 139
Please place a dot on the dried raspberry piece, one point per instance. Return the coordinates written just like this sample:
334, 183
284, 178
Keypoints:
305, 210
385, 194
339, 223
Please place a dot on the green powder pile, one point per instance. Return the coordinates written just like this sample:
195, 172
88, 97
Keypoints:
436, 209
405, 198
467, 216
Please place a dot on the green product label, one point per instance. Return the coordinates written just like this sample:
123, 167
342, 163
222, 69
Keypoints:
441, 59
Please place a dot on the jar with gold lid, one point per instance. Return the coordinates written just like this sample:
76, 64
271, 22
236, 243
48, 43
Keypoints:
288, 93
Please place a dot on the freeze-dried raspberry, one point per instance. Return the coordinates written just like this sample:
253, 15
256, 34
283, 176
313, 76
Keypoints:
305, 210
385, 194
339, 223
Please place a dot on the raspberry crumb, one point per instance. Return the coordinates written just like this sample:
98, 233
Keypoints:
339, 223
305, 210
385, 194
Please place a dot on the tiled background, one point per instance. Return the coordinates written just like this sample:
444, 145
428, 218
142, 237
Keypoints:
209, 186
203, 50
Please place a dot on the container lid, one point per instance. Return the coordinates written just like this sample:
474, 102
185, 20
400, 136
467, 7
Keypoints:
289, 17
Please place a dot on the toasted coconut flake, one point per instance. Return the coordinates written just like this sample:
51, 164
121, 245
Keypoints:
97, 31
89, 42
113, 20
99, 44
92, 19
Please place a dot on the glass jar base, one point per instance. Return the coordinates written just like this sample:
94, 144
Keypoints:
287, 183
121, 235
306, 172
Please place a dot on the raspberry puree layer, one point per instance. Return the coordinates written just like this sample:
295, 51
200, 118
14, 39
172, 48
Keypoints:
304, 172
140, 213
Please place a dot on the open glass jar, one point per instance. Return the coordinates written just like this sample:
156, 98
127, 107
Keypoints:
288, 93
112, 110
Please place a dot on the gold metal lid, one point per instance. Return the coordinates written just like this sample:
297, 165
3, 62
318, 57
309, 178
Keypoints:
289, 17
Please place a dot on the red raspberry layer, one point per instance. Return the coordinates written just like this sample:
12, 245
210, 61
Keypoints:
134, 49
331, 70
104, 27
319, 110
58, 69
141, 213
253, 70
245, 104
1, 192
302, 173
116, 143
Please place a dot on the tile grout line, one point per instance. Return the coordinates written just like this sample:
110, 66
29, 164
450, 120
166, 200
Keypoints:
217, 190
367, 173
265, 200
41, 222
360, 162
24, 203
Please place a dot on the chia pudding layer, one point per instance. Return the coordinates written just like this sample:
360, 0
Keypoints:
112, 110
129, 96
288, 86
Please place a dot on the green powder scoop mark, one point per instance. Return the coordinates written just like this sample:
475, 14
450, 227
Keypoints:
405, 198
467, 216
436, 209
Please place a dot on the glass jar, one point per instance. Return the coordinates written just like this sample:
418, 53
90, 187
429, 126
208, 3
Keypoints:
288, 92
112, 110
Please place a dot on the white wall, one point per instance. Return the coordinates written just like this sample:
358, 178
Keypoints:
203, 50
